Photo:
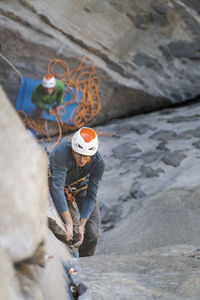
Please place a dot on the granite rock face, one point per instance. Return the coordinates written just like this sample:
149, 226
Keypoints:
7, 275
147, 57
23, 187
144, 277
30, 255
149, 196
150, 209
146, 53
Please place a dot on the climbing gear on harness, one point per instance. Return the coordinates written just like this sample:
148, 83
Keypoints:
85, 141
48, 81
71, 191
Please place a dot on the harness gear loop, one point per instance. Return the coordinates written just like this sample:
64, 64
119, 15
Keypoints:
71, 191
70, 197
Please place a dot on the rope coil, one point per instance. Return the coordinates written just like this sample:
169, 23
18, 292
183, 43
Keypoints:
80, 79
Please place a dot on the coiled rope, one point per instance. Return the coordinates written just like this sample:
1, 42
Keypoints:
81, 79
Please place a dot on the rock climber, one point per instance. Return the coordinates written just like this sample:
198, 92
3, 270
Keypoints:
48, 95
76, 169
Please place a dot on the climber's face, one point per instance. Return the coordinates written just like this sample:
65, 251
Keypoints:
49, 90
81, 160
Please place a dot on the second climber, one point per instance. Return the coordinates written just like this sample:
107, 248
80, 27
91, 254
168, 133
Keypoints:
48, 95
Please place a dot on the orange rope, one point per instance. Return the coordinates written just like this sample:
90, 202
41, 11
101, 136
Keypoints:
80, 79
59, 128
108, 134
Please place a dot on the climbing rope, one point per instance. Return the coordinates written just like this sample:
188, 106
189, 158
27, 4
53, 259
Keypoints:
78, 80
16, 70
82, 79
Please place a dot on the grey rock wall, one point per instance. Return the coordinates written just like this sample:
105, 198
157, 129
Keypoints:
147, 57
7, 276
30, 254
142, 277
146, 52
149, 195
23, 187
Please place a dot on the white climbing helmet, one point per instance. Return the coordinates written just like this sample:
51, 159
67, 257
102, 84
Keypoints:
48, 81
85, 141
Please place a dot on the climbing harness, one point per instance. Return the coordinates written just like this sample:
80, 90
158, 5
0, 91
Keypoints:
71, 190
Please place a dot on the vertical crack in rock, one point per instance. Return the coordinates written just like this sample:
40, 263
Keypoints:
75, 288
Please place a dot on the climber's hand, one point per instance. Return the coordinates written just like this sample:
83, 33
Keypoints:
69, 230
66, 216
81, 231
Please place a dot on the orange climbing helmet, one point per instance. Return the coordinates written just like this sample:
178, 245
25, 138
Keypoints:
85, 141
48, 81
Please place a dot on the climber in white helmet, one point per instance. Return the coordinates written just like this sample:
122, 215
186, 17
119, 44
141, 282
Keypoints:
48, 95
76, 168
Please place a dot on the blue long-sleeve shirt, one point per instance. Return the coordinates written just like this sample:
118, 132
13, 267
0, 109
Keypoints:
66, 171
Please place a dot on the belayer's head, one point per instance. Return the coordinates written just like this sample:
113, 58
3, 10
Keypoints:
84, 145
49, 83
